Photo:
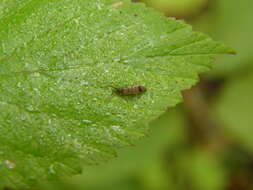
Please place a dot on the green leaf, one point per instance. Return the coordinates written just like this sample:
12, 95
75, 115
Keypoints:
234, 29
167, 133
202, 169
58, 63
235, 107
175, 8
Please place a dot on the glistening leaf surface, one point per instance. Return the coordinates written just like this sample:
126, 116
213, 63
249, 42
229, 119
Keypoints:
58, 61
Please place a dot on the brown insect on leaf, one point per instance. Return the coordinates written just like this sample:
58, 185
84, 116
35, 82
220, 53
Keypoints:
136, 90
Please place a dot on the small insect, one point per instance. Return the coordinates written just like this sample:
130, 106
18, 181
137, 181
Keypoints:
136, 90
117, 4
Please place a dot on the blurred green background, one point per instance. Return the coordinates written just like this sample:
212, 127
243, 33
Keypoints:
206, 143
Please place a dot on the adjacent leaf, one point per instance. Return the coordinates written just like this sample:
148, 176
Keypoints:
235, 108
175, 8
202, 169
223, 24
58, 63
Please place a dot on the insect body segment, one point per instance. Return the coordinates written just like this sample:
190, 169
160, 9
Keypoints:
131, 91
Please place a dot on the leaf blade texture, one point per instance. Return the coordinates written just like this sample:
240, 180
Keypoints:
58, 63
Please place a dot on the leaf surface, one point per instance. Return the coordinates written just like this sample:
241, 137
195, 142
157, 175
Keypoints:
59, 62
